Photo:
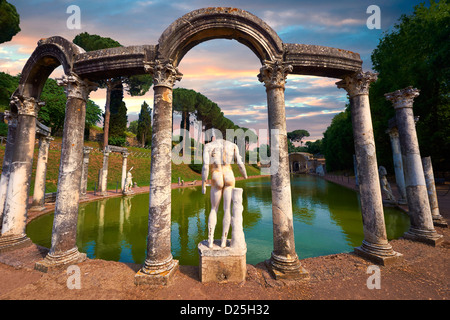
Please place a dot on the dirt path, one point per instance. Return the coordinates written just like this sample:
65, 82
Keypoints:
423, 274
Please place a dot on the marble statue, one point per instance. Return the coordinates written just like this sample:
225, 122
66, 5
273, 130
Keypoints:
128, 182
218, 156
385, 186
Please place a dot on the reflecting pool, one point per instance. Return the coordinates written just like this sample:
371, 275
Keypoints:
327, 220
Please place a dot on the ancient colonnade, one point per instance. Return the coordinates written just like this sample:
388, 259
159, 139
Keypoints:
278, 60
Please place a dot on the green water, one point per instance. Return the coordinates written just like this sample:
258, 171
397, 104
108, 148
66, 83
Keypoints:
327, 220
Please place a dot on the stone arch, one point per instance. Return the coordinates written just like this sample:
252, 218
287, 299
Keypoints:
219, 23
49, 54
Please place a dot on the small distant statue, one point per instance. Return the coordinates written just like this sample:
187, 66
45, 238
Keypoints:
385, 186
128, 183
219, 155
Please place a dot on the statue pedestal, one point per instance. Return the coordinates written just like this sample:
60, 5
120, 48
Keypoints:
222, 265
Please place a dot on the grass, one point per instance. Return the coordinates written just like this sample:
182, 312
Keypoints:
139, 159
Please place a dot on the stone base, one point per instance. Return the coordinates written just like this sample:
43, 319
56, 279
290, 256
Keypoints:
128, 193
391, 203
14, 242
156, 278
37, 208
282, 269
222, 265
425, 236
440, 222
56, 262
380, 254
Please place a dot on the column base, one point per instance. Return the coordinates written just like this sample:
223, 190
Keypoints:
286, 268
14, 242
55, 262
430, 237
37, 208
158, 276
439, 221
380, 254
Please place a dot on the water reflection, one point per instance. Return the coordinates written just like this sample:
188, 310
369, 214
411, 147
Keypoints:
327, 220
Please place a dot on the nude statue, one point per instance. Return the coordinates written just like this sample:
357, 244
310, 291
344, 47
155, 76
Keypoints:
219, 155
128, 182
385, 186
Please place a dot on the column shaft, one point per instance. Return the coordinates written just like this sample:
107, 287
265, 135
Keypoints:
15, 212
398, 164
284, 262
63, 249
438, 220
375, 245
41, 173
422, 228
159, 265
7, 159
84, 171
124, 170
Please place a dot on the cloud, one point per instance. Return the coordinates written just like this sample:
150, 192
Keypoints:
224, 71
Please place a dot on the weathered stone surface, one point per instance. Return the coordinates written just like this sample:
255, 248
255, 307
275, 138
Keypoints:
422, 228
15, 212
321, 61
159, 261
438, 220
219, 23
375, 244
218, 264
41, 173
398, 163
11, 118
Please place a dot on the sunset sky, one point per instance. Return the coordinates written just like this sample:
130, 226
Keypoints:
225, 71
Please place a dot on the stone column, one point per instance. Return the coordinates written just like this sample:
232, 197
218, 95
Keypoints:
103, 183
159, 265
124, 169
375, 245
284, 262
11, 117
63, 249
421, 228
41, 173
15, 211
398, 164
438, 220
84, 171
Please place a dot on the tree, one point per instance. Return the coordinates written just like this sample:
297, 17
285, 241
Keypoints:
136, 85
416, 53
9, 21
297, 135
184, 101
144, 128
337, 143
314, 147
8, 84
133, 126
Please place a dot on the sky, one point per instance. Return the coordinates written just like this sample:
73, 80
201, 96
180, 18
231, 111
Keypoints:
223, 70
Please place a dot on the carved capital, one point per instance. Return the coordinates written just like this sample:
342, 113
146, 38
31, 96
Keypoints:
358, 83
393, 133
403, 98
11, 118
273, 74
75, 87
26, 106
164, 73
